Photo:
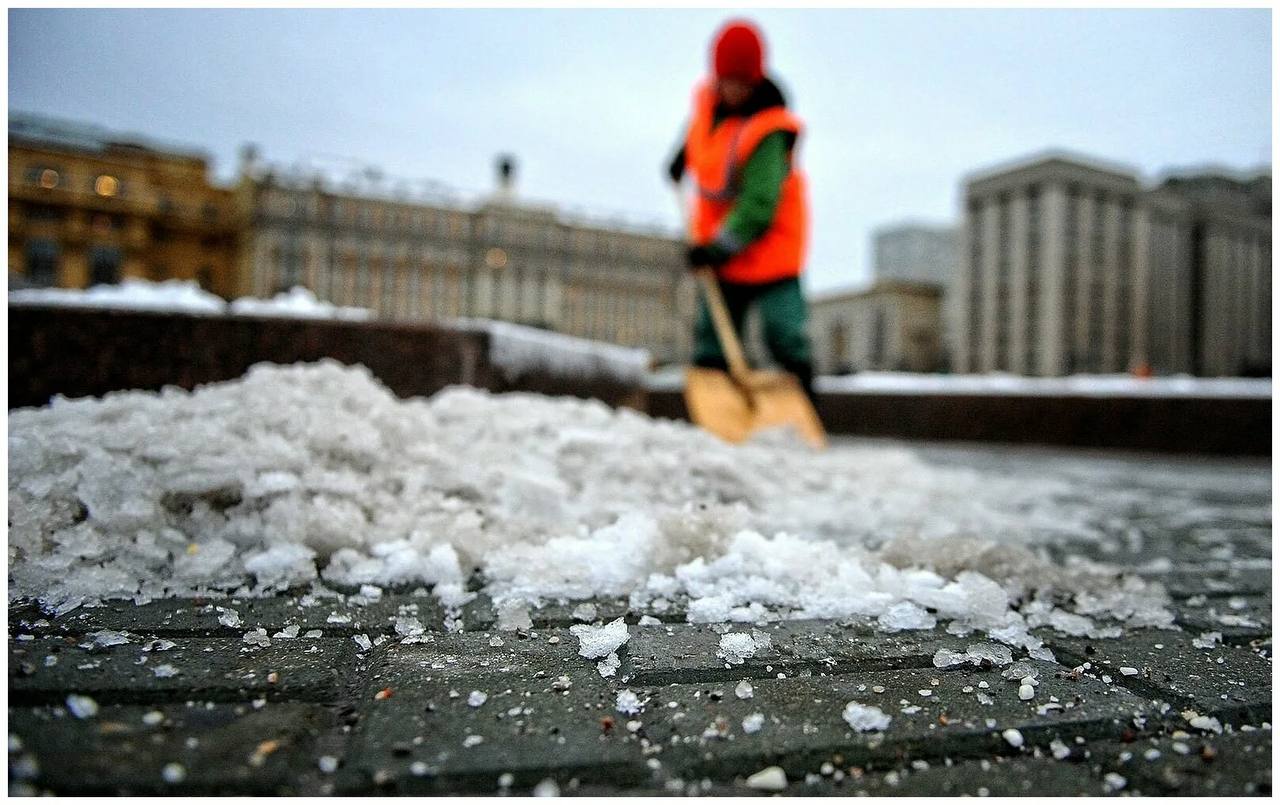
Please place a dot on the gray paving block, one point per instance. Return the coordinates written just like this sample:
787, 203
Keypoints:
529, 726
217, 669
1239, 618
933, 717
685, 652
222, 749
1232, 683
1231, 764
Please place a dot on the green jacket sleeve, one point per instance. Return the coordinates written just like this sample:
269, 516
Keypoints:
757, 202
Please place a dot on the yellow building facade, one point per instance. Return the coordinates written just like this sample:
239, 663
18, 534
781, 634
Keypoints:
87, 207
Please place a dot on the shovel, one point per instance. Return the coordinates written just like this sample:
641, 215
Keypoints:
736, 404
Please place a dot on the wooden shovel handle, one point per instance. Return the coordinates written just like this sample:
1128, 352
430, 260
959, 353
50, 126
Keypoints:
737, 360
738, 368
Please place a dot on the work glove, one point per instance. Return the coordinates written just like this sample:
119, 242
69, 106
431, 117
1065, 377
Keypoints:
707, 256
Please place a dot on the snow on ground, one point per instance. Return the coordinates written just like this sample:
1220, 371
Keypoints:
186, 296
1115, 385
293, 475
133, 294
999, 383
517, 349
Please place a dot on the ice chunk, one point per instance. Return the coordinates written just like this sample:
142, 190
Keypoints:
513, 615
584, 612
164, 671
736, 647
772, 778
107, 637
1207, 640
609, 665
906, 615
229, 617
363, 641
599, 641
628, 703
81, 706
257, 637
945, 658
865, 718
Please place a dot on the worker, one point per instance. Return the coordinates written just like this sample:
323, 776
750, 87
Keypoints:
749, 217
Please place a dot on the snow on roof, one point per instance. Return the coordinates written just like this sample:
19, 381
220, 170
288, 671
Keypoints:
317, 473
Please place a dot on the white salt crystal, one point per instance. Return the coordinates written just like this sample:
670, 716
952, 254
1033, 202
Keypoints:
107, 637
363, 641
328, 764
865, 718
229, 618
584, 612
1114, 782
173, 773
628, 702
609, 665
1026, 692
753, 723
1013, 737
477, 698
772, 778
82, 706
546, 788
744, 690
599, 641
164, 671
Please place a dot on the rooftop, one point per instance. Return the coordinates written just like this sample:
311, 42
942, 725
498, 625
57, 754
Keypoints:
78, 136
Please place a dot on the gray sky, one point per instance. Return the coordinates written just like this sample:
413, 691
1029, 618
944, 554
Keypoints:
900, 105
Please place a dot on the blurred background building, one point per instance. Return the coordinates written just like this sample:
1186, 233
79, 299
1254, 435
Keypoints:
892, 325
1071, 265
88, 206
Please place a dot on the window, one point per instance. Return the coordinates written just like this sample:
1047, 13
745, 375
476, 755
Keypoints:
42, 263
106, 186
104, 265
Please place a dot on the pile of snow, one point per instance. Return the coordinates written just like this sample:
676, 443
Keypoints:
518, 350
132, 294
297, 303
1000, 383
318, 474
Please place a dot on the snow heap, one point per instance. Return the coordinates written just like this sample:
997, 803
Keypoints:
133, 294
316, 474
297, 303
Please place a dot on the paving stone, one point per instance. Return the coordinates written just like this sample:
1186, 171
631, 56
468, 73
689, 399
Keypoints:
222, 748
690, 652
1229, 682
1217, 579
1235, 764
207, 669
1239, 618
803, 724
427, 718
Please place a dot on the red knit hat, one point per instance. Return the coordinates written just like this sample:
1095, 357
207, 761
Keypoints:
738, 52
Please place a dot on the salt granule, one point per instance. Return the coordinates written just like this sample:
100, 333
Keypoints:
599, 641
865, 718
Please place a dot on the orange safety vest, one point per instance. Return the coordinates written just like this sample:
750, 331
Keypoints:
715, 158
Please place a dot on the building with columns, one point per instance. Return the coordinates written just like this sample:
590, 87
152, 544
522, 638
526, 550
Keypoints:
1072, 266
439, 258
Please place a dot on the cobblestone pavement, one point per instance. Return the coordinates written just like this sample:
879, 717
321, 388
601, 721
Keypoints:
330, 699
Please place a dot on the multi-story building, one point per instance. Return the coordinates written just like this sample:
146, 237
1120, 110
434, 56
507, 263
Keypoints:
439, 258
922, 254
1070, 265
90, 207
915, 253
892, 325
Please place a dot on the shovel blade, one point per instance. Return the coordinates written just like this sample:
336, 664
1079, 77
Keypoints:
735, 411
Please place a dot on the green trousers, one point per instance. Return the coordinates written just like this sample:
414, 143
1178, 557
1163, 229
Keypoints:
782, 312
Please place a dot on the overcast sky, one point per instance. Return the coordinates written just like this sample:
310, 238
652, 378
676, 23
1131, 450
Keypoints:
899, 105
